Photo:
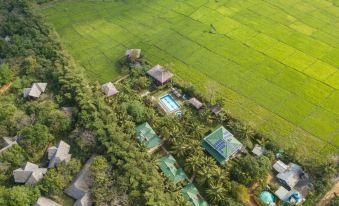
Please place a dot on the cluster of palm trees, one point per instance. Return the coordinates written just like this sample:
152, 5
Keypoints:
183, 138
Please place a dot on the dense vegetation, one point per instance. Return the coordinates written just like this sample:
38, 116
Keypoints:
123, 172
38, 57
235, 49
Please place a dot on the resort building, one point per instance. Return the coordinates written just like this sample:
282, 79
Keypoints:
133, 54
80, 187
7, 143
43, 201
289, 196
31, 174
109, 89
59, 154
279, 166
169, 167
147, 136
295, 182
282, 193
222, 145
195, 103
216, 109
258, 150
35, 91
160, 74
191, 193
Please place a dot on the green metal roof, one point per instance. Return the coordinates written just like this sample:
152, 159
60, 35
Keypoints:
221, 144
191, 193
146, 135
168, 166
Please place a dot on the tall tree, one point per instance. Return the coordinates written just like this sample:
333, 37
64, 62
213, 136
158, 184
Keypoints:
6, 74
35, 139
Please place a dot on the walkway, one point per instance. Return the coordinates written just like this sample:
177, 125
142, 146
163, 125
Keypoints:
5, 87
329, 195
122, 78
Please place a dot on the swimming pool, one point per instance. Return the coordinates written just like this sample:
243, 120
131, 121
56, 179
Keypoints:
170, 104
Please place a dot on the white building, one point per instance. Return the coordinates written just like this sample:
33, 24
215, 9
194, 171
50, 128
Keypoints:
30, 174
35, 91
59, 154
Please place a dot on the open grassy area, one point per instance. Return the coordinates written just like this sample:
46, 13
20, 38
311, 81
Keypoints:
275, 62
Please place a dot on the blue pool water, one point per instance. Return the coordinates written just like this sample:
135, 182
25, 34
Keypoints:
170, 104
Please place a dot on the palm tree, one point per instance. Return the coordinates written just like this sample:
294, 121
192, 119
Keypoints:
263, 141
199, 130
216, 192
181, 149
193, 162
205, 174
247, 132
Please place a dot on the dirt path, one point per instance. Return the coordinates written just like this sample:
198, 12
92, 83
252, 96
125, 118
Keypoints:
269, 180
329, 195
5, 87
251, 193
122, 78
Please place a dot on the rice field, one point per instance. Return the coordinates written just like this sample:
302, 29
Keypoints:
274, 62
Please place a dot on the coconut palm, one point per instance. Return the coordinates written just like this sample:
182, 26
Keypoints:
193, 162
216, 192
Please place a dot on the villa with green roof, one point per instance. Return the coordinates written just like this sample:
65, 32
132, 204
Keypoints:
147, 136
169, 167
191, 193
222, 145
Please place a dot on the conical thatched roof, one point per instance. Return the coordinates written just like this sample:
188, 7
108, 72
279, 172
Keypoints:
160, 74
109, 89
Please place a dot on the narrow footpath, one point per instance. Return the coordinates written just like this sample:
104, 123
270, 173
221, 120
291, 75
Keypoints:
5, 87
329, 195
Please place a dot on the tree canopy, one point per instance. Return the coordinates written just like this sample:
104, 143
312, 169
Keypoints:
6, 74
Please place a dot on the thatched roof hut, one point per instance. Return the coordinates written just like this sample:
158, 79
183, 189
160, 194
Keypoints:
160, 74
35, 91
195, 103
31, 174
109, 89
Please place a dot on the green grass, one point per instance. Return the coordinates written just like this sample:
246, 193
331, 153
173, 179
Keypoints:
274, 62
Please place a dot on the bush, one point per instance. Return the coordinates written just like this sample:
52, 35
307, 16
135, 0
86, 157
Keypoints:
18, 196
240, 193
6, 74
138, 111
35, 139
334, 201
250, 169
57, 179
47, 113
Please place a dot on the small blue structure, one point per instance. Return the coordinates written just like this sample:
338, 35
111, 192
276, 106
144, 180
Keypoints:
267, 197
295, 198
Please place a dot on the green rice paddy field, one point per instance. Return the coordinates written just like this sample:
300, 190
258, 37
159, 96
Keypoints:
275, 62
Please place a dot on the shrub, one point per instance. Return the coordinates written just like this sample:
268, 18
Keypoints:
6, 74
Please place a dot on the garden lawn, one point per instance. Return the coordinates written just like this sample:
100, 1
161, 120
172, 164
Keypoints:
274, 62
